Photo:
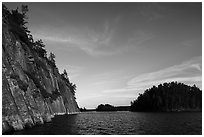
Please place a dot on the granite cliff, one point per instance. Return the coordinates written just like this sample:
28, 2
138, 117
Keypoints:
33, 90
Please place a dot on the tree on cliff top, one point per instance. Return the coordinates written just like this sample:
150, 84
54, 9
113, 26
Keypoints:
65, 74
52, 57
65, 77
24, 10
16, 21
51, 60
20, 17
40, 48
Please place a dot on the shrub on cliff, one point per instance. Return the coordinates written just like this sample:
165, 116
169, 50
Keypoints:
41, 64
55, 95
51, 60
37, 83
40, 48
22, 85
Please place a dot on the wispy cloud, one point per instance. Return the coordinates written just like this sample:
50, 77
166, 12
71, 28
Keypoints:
192, 42
189, 72
186, 69
105, 40
93, 42
139, 37
151, 11
91, 96
121, 90
106, 79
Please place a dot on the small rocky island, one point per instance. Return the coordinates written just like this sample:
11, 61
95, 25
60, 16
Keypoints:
33, 90
169, 97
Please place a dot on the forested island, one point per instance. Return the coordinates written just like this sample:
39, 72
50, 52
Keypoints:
168, 97
108, 107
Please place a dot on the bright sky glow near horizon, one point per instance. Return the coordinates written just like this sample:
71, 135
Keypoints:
113, 51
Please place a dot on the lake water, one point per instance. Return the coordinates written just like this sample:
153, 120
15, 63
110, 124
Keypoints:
121, 123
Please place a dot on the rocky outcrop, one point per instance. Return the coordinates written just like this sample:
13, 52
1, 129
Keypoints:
33, 91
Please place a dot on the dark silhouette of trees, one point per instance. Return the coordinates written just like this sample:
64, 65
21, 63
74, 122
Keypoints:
20, 17
106, 107
64, 75
24, 10
83, 109
51, 60
5, 13
40, 48
17, 21
52, 57
169, 97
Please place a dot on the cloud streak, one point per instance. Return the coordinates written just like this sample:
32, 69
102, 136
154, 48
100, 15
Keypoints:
183, 70
189, 72
94, 41
87, 39
151, 11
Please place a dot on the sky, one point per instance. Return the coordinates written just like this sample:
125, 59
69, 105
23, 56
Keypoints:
114, 51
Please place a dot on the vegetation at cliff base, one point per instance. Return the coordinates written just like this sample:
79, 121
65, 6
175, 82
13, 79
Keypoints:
172, 96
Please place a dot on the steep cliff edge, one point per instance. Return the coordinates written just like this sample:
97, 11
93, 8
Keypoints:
33, 90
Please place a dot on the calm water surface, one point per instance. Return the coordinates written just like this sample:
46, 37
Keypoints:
120, 123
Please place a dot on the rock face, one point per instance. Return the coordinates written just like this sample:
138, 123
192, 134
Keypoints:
33, 91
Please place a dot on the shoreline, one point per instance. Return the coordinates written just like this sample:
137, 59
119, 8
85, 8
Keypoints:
7, 129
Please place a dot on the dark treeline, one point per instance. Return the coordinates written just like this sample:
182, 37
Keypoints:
122, 108
108, 107
85, 110
169, 97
